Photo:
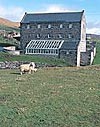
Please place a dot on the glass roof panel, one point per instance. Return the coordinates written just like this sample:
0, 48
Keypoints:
44, 44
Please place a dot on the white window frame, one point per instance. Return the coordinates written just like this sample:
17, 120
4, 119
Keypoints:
70, 25
69, 36
39, 47
61, 26
49, 26
38, 26
28, 26
38, 35
59, 35
48, 36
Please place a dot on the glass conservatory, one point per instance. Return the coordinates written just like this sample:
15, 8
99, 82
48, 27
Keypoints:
46, 47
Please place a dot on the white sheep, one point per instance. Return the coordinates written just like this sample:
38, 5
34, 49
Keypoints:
27, 68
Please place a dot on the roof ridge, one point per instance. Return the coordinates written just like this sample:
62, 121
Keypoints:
42, 13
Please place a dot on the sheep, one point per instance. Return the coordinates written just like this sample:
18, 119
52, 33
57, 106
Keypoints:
27, 68
35, 69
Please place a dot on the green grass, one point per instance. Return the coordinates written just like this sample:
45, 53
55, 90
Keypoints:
97, 58
7, 41
6, 28
37, 59
51, 97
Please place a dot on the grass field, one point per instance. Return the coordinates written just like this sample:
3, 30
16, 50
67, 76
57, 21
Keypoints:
51, 97
97, 58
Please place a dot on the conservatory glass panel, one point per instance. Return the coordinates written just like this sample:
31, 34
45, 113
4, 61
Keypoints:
44, 46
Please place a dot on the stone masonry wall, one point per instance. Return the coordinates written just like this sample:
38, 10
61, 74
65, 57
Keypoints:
70, 57
16, 64
10, 65
54, 32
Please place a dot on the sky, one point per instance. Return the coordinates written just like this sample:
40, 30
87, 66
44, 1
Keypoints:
14, 10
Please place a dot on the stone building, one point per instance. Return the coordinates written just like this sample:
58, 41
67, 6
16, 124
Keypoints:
61, 35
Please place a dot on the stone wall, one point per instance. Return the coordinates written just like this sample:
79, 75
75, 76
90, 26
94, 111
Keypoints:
16, 64
10, 65
69, 56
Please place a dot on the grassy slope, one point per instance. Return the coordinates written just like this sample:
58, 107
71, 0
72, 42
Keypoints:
97, 58
53, 97
56, 97
37, 59
9, 23
8, 29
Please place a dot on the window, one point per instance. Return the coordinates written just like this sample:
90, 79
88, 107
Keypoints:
49, 36
49, 26
59, 35
61, 25
70, 26
39, 26
38, 35
28, 26
67, 53
69, 35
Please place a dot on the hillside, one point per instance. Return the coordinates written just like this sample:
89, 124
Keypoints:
93, 36
7, 30
51, 97
8, 23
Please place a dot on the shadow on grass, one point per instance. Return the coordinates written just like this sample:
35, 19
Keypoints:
15, 73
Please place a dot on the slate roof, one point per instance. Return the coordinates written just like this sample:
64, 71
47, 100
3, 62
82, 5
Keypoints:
52, 17
70, 45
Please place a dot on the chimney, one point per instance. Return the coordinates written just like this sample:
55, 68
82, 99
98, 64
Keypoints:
25, 13
83, 11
